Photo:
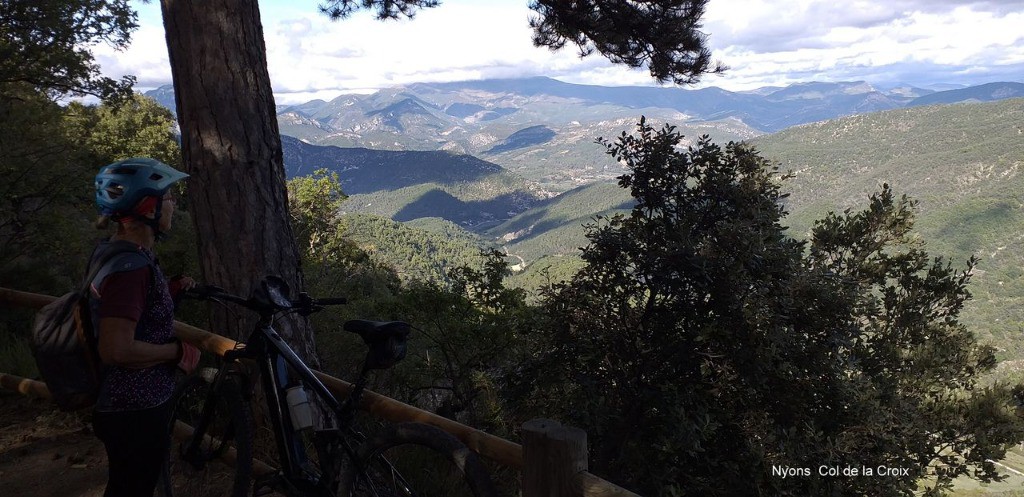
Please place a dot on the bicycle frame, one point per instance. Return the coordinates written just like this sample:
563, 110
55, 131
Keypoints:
280, 369
277, 361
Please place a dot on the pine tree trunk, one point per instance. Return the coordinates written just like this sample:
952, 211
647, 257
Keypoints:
232, 149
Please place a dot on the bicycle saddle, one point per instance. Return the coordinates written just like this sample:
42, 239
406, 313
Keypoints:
377, 331
386, 339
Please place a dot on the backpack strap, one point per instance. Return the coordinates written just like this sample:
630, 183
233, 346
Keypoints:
118, 263
117, 258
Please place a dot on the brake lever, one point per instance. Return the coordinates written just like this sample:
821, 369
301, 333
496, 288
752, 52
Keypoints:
203, 292
306, 311
302, 305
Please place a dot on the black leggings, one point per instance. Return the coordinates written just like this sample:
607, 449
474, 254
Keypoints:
137, 443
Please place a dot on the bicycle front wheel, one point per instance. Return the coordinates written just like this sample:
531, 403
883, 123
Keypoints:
414, 459
211, 456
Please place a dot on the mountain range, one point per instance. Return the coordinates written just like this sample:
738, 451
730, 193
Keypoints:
480, 154
512, 163
961, 164
544, 129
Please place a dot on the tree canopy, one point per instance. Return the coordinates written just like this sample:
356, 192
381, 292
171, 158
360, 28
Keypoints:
49, 152
46, 44
385, 9
48, 157
702, 349
662, 35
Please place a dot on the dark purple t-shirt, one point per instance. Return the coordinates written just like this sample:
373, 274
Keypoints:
130, 295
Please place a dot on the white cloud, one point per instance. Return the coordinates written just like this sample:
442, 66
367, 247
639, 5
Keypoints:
863, 40
764, 43
146, 58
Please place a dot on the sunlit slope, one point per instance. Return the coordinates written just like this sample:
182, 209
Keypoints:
961, 162
555, 226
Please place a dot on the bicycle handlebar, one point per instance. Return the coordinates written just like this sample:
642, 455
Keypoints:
305, 305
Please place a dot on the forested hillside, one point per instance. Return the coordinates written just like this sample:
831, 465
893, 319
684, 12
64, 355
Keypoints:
963, 164
707, 221
426, 249
407, 185
960, 162
555, 226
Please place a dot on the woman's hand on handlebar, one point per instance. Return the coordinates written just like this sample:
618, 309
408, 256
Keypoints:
182, 282
201, 291
188, 357
178, 285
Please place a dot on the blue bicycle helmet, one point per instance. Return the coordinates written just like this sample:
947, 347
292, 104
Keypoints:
122, 185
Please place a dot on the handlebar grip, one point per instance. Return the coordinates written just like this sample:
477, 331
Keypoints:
202, 291
331, 301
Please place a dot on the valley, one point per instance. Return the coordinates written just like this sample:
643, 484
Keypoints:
513, 164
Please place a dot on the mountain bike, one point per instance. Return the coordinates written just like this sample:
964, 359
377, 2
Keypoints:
212, 407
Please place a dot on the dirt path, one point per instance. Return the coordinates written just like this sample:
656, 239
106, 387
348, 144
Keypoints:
46, 453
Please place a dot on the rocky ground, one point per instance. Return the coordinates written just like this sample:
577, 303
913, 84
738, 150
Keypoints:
47, 453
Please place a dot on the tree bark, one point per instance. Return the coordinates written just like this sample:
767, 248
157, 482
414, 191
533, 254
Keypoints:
231, 147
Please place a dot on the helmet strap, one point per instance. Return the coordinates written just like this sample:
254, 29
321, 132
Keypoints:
154, 222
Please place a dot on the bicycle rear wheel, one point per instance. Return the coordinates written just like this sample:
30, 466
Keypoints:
414, 459
217, 462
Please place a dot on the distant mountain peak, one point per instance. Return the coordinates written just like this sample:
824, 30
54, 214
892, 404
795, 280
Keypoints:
526, 137
545, 129
817, 90
395, 115
405, 106
982, 93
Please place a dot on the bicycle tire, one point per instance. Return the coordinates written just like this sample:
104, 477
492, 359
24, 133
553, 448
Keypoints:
375, 472
205, 474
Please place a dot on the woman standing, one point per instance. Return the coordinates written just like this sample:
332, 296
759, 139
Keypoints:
132, 309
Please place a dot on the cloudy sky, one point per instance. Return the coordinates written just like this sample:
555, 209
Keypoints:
885, 42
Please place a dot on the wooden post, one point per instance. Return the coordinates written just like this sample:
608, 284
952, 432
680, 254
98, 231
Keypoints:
552, 456
24, 386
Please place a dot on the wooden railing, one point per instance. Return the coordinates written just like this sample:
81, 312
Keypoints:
552, 459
